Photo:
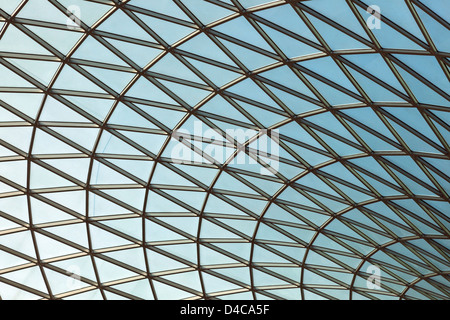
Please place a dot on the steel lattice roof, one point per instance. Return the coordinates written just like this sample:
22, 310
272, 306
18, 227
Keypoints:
93, 205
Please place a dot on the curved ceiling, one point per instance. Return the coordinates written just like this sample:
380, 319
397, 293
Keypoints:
130, 161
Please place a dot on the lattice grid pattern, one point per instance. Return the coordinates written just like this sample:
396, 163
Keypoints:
92, 205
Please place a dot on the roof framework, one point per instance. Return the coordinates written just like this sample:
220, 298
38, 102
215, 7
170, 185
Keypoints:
90, 193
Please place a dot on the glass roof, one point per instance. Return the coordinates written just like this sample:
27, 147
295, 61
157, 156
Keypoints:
224, 149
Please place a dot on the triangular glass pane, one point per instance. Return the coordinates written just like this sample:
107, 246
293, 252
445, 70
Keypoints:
291, 47
413, 141
376, 66
410, 166
21, 242
104, 239
211, 230
212, 257
422, 92
293, 102
144, 89
335, 38
140, 288
166, 292
116, 80
375, 143
100, 207
74, 200
428, 67
43, 212
45, 143
56, 111
435, 29
120, 23
158, 203
189, 279
263, 255
11, 79
368, 117
102, 174
166, 117
249, 58
227, 182
42, 10
267, 233
331, 94
234, 29
124, 115
286, 77
60, 39
19, 137
111, 144
207, 12
217, 205
239, 274
413, 186
9, 5
170, 32
8, 260
293, 196
268, 186
50, 248
84, 137
30, 277
219, 106
265, 117
287, 18
166, 7
15, 40
338, 146
132, 257
131, 227
139, 168
131, 197
28, 103
139, 54
43, 178
163, 175
375, 91
70, 79
202, 174
219, 76
110, 272
98, 108
191, 198
169, 65
158, 262
340, 13
189, 94
203, 46
75, 233
381, 188
43, 71
92, 49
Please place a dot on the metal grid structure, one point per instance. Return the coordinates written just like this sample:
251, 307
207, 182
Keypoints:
93, 206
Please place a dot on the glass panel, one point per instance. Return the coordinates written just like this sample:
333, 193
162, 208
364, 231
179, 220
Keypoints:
95, 181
